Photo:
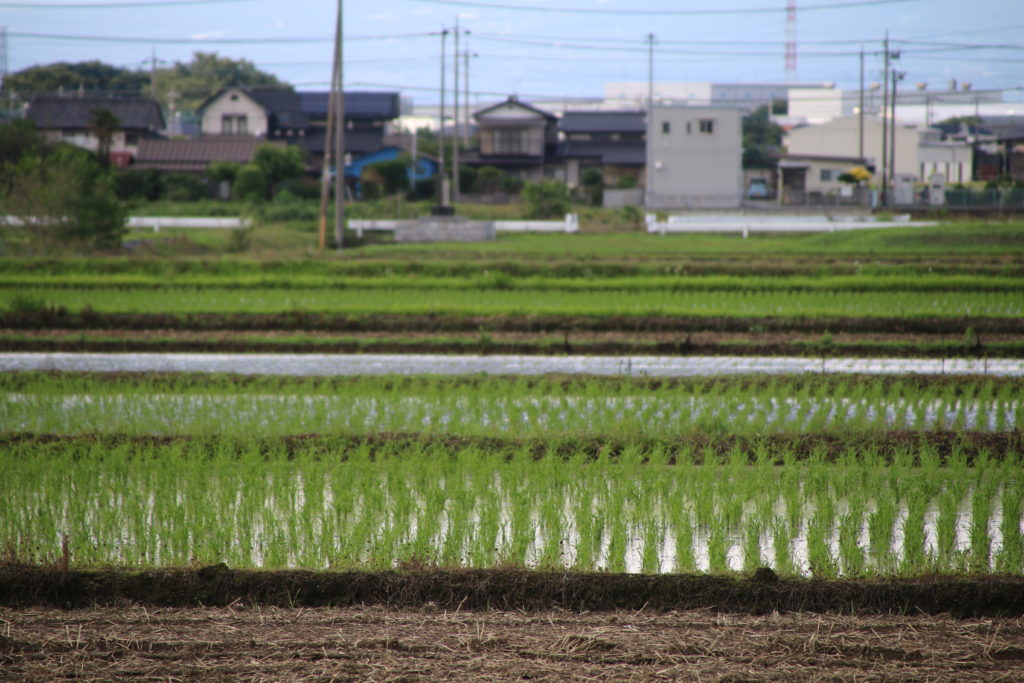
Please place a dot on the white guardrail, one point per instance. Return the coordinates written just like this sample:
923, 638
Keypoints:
749, 224
570, 224
157, 222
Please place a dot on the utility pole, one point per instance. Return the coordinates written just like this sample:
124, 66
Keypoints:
455, 114
860, 110
442, 179
465, 131
885, 130
339, 136
649, 181
896, 77
325, 171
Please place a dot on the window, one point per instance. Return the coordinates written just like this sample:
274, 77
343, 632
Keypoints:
232, 124
131, 138
666, 128
826, 175
707, 126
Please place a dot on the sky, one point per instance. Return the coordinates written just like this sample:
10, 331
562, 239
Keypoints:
537, 49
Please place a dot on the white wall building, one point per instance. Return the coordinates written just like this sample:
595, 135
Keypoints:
914, 103
919, 150
746, 96
694, 157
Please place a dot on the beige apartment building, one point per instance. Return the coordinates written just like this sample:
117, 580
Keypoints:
694, 157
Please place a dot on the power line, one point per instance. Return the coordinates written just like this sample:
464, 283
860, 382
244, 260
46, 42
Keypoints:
212, 40
641, 12
110, 5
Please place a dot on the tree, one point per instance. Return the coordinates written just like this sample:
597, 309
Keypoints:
250, 184
762, 140
93, 75
61, 199
394, 173
278, 164
546, 199
189, 83
102, 125
592, 181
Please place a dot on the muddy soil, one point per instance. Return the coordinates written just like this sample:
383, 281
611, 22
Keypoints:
583, 342
432, 643
299, 321
697, 448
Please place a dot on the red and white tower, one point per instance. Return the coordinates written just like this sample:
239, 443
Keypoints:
791, 40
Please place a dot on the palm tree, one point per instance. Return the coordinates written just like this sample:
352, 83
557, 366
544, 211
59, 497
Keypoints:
103, 125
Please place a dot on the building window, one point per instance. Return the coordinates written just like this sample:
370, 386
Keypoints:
826, 175
510, 141
131, 138
231, 124
707, 126
666, 128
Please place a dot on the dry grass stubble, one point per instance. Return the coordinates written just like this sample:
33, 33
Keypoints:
378, 644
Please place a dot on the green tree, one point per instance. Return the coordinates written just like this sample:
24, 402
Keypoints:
394, 173
278, 164
250, 184
91, 76
189, 83
546, 199
64, 199
103, 123
221, 173
762, 140
592, 181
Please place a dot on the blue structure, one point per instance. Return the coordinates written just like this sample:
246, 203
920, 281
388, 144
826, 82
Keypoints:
424, 168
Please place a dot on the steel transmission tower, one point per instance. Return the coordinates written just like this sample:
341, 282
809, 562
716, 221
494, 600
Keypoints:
791, 40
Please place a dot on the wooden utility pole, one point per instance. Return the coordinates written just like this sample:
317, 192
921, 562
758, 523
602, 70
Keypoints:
649, 142
455, 117
339, 136
885, 128
860, 109
442, 176
325, 171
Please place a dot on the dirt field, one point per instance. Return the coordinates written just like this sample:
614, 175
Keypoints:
374, 643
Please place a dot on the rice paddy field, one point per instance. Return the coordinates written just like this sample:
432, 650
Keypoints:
527, 523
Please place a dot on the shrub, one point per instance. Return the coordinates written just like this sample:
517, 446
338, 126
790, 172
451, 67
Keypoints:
393, 174
183, 187
371, 184
304, 188
250, 184
63, 199
546, 199
278, 164
132, 184
490, 180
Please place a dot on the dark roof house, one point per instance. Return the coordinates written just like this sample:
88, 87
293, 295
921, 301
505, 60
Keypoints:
194, 156
56, 112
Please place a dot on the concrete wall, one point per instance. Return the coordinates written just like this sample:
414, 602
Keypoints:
442, 229
614, 199
690, 165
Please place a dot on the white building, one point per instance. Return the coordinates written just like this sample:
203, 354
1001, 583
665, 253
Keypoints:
694, 157
914, 103
919, 150
746, 96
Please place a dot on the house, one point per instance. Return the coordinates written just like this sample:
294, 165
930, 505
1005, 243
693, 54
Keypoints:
610, 141
519, 139
69, 119
194, 156
299, 118
814, 179
920, 150
368, 116
694, 157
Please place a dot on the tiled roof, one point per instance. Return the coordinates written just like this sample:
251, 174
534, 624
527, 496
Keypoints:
196, 155
624, 154
57, 112
603, 122
358, 105
283, 105
512, 99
